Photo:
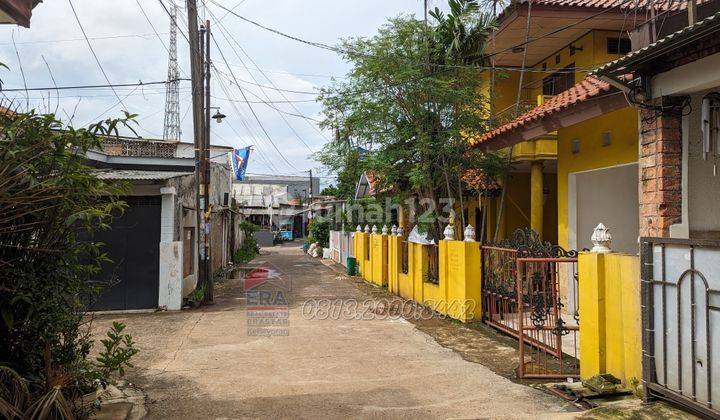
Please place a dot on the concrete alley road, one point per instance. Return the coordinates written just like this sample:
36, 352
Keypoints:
199, 364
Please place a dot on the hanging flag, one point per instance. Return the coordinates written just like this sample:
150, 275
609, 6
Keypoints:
239, 159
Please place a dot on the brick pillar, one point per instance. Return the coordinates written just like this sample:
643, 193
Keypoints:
660, 170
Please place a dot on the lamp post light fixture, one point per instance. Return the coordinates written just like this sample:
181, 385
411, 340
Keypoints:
219, 116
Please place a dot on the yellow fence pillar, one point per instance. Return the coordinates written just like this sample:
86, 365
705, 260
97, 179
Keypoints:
394, 263
461, 268
362, 253
536, 197
610, 324
379, 258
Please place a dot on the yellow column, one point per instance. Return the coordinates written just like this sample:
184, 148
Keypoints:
536, 197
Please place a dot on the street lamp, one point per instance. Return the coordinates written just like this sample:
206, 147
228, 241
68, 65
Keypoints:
218, 117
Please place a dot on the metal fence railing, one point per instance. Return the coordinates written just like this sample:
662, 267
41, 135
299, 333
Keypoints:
680, 291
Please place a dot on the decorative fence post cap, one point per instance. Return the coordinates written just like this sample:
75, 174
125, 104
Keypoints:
601, 239
384, 230
374, 229
400, 231
449, 232
469, 234
359, 229
367, 228
393, 230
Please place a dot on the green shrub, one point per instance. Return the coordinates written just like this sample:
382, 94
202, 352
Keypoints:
52, 203
320, 230
248, 249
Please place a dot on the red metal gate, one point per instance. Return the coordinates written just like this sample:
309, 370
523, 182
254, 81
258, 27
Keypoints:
521, 297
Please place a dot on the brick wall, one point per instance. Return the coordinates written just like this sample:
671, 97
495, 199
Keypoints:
660, 171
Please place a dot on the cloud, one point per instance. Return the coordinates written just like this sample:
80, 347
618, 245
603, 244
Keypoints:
130, 52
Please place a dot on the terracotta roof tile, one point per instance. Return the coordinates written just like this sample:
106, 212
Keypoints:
631, 5
589, 88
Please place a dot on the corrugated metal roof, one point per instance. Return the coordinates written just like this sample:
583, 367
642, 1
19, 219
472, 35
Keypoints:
667, 41
128, 174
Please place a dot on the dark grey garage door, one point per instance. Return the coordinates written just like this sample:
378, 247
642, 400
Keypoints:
133, 246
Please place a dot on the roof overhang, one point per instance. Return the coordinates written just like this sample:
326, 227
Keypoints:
17, 12
545, 19
566, 117
103, 160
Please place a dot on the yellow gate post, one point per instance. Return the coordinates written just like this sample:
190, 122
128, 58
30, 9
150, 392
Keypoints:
379, 257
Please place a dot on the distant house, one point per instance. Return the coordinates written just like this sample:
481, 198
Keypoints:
154, 243
17, 12
276, 202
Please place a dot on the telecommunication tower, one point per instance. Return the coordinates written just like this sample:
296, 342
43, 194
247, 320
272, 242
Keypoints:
171, 129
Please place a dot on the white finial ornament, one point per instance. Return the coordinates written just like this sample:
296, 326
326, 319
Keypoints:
469, 234
601, 239
359, 229
384, 230
374, 229
449, 232
400, 231
393, 230
367, 228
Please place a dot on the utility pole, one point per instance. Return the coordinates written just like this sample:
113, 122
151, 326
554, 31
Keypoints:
210, 294
199, 131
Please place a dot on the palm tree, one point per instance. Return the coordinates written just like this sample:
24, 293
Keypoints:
461, 36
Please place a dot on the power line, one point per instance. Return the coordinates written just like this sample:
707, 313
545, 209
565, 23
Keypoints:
222, 31
299, 92
343, 51
264, 102
97, 60
92, 38
247, 127
142, 10
275, 31
222, 55
109, 85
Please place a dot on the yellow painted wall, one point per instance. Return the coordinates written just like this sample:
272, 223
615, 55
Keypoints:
458, 292
622, 124
610, 318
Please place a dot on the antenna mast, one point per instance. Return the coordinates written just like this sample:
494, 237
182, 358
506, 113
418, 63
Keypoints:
171, 129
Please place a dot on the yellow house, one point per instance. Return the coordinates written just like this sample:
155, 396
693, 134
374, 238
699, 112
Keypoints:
560, 169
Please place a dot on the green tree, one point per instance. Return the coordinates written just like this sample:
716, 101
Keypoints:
330, 191
50, 202
412, 99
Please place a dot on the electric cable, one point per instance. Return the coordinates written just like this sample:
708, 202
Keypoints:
92, 50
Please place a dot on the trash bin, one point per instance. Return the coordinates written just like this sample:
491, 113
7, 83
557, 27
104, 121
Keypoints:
351, 266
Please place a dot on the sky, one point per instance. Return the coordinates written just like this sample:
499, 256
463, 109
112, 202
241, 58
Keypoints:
129, 51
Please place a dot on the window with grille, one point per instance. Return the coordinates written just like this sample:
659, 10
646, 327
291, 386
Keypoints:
618, 45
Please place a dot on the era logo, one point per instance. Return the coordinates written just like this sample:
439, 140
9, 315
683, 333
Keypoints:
265, 298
